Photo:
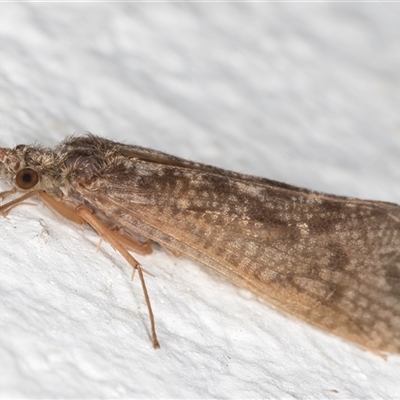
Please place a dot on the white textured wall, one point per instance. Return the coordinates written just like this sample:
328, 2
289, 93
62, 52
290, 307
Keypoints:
308, 94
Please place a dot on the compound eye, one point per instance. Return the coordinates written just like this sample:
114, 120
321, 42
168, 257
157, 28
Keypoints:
27, 178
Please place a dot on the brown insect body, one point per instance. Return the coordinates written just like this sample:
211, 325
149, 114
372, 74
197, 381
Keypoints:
331, 261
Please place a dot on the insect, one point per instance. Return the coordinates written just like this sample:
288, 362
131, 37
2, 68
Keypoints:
331, 261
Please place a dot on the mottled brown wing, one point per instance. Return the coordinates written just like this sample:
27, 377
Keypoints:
331, 261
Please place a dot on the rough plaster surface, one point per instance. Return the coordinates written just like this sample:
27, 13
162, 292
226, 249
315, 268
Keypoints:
308, 94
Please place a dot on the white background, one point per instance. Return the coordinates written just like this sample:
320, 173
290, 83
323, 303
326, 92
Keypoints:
308, 94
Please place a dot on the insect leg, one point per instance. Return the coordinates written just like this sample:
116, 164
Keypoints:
114, 239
